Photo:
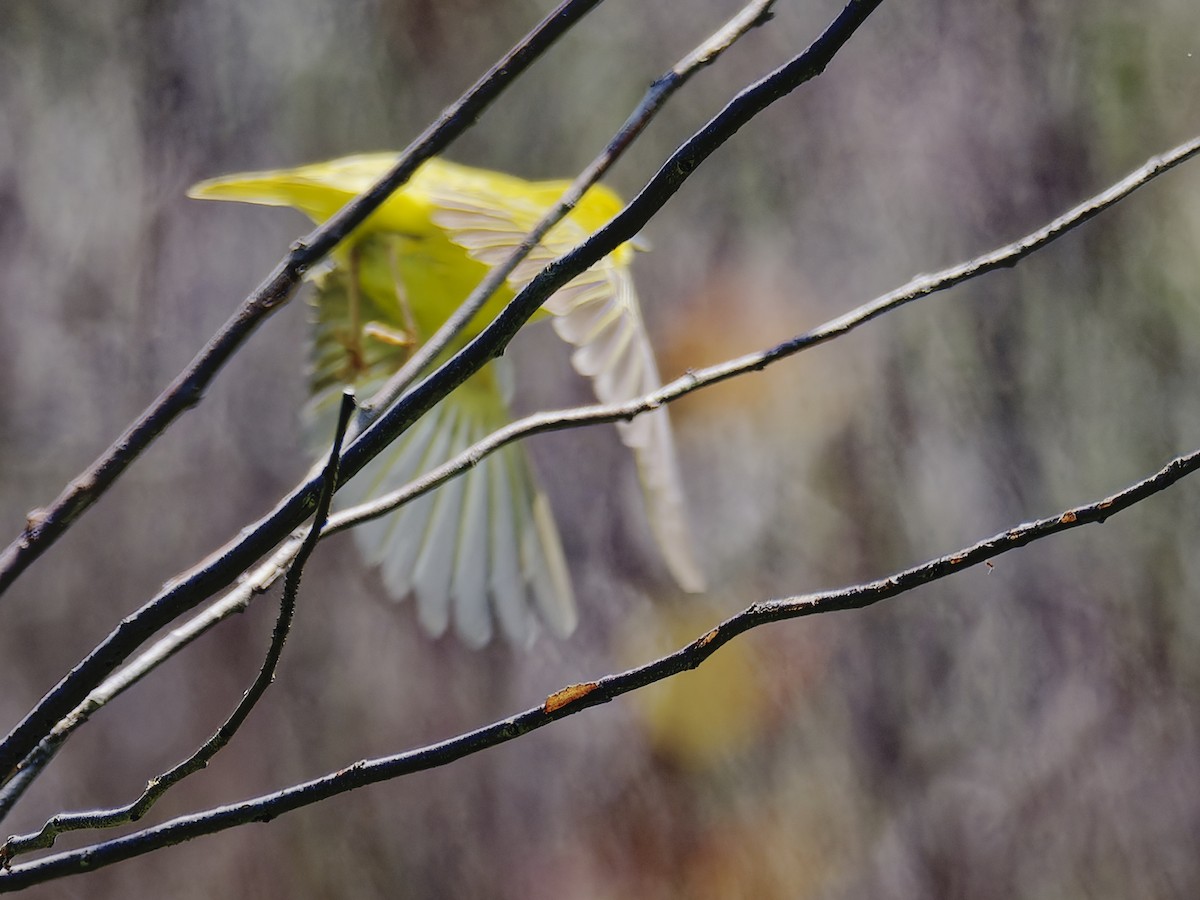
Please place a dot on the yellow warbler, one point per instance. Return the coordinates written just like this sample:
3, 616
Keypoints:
485, 544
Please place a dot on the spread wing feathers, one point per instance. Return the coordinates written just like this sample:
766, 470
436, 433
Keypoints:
598, 314
483, 546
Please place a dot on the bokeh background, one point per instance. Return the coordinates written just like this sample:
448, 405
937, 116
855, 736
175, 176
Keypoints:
1030, 730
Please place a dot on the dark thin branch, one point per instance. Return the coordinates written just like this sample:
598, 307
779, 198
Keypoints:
752, 15
44, 526
147, 661
157, 787
575, 698
217, 572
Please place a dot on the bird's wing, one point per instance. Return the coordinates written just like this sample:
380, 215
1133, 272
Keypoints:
598, 314
318, 190
483, 546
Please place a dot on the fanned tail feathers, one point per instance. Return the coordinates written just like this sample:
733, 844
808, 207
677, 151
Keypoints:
483, 545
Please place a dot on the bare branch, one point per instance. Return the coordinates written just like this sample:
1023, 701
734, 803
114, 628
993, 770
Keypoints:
224, 566
575, 698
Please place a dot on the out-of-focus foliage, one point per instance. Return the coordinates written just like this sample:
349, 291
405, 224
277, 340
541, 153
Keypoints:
1031, 730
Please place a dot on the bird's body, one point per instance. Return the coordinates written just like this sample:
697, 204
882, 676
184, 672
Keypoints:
485, 544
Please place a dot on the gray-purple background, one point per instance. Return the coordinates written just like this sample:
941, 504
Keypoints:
1031, 731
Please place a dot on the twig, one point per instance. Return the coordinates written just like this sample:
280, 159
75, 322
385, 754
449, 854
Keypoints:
223, 567
157, 787
752, 15
160, 651
575, 698
44, 526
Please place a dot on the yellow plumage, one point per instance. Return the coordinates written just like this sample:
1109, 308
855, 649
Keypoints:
484, 547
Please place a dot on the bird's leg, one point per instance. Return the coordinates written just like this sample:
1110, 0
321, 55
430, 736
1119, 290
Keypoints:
393, 337
410, 324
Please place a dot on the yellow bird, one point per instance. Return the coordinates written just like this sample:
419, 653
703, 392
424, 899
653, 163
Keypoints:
485, 546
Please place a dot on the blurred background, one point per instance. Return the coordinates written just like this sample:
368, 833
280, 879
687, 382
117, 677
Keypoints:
1030, 730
